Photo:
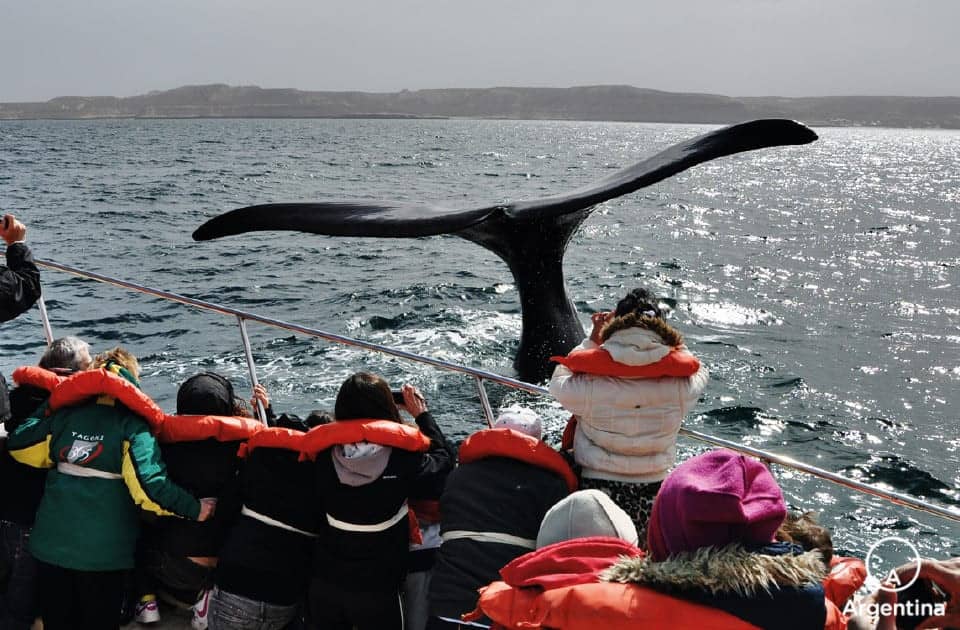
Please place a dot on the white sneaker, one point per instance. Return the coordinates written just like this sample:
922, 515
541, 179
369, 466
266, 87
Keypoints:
201, 612
147, 610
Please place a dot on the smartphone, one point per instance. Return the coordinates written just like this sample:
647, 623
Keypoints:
397, 397
6, 223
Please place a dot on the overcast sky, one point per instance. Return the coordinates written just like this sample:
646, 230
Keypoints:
735, 47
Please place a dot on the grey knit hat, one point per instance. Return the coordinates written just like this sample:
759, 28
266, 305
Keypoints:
582, 514
520, 419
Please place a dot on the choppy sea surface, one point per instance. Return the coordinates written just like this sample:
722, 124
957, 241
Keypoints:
819, 283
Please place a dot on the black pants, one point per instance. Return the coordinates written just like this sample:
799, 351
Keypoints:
79, 599
333, 608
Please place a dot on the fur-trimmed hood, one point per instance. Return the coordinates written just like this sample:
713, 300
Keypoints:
726, 570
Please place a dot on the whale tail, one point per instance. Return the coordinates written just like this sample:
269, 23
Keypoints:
530, 236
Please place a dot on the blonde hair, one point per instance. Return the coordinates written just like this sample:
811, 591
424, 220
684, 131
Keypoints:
122, 357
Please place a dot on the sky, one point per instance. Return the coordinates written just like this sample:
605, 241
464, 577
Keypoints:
51, 48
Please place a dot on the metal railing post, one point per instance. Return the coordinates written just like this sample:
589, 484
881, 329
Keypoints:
251, 367
484, 401
47, 330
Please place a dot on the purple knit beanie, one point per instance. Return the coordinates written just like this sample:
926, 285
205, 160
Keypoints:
713, 500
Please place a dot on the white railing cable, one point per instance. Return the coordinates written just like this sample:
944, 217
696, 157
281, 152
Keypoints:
251, 367
897, 498
484, 401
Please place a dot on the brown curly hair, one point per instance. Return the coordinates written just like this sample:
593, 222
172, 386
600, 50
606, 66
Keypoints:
670, 335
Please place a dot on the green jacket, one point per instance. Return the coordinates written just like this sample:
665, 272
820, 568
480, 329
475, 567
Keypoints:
105, 463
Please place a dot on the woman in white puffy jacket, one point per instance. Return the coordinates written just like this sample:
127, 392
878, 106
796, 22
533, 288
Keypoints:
626, 431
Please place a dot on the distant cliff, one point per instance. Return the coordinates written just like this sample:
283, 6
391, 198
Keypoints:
606, 102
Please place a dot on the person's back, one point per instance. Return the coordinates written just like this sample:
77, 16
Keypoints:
105, 463
492, 508
22, 486
365, 482
199, 447
267, 555
629, 385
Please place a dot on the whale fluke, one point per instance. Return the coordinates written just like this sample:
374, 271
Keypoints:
530, 236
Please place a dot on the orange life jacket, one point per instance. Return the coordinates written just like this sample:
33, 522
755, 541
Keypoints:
273, 437
558, 587
77, 388
219, 428
846, 576
505, 442
607, 605
599, 362
611, 606
37, 376
383, 432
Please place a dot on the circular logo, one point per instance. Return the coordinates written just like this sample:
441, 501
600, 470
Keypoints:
883, 558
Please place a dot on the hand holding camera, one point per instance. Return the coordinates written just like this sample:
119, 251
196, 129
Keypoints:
12, 230
410, 399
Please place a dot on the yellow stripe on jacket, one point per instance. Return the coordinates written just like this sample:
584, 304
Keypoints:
36, 455
140, 497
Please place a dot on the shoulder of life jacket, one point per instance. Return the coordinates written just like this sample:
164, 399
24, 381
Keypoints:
37, 376
598, 361
846, 577
190, 428
597, 605
273, 437
79, 387
384, 432
505, 442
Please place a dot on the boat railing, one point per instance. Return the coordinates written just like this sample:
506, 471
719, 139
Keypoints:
479, 376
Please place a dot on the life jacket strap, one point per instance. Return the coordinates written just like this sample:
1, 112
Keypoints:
489, 537
73, 470
401, 514
272, 522
472, 624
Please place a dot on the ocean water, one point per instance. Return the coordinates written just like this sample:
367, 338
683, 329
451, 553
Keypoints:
819, 283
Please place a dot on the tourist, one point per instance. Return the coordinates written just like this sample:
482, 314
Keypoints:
712, 563
492, 508
22, 486
199, 447
368, 465
629, 386
105, 463
266, 558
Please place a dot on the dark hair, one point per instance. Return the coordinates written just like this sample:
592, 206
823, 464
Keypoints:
206, 393
639, 301
318, 417
804, 530
364, 395
290, 421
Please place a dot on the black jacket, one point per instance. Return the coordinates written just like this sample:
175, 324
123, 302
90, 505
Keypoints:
495, 494
376, 561
204, 468
19, 282
21, 486
260, 561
